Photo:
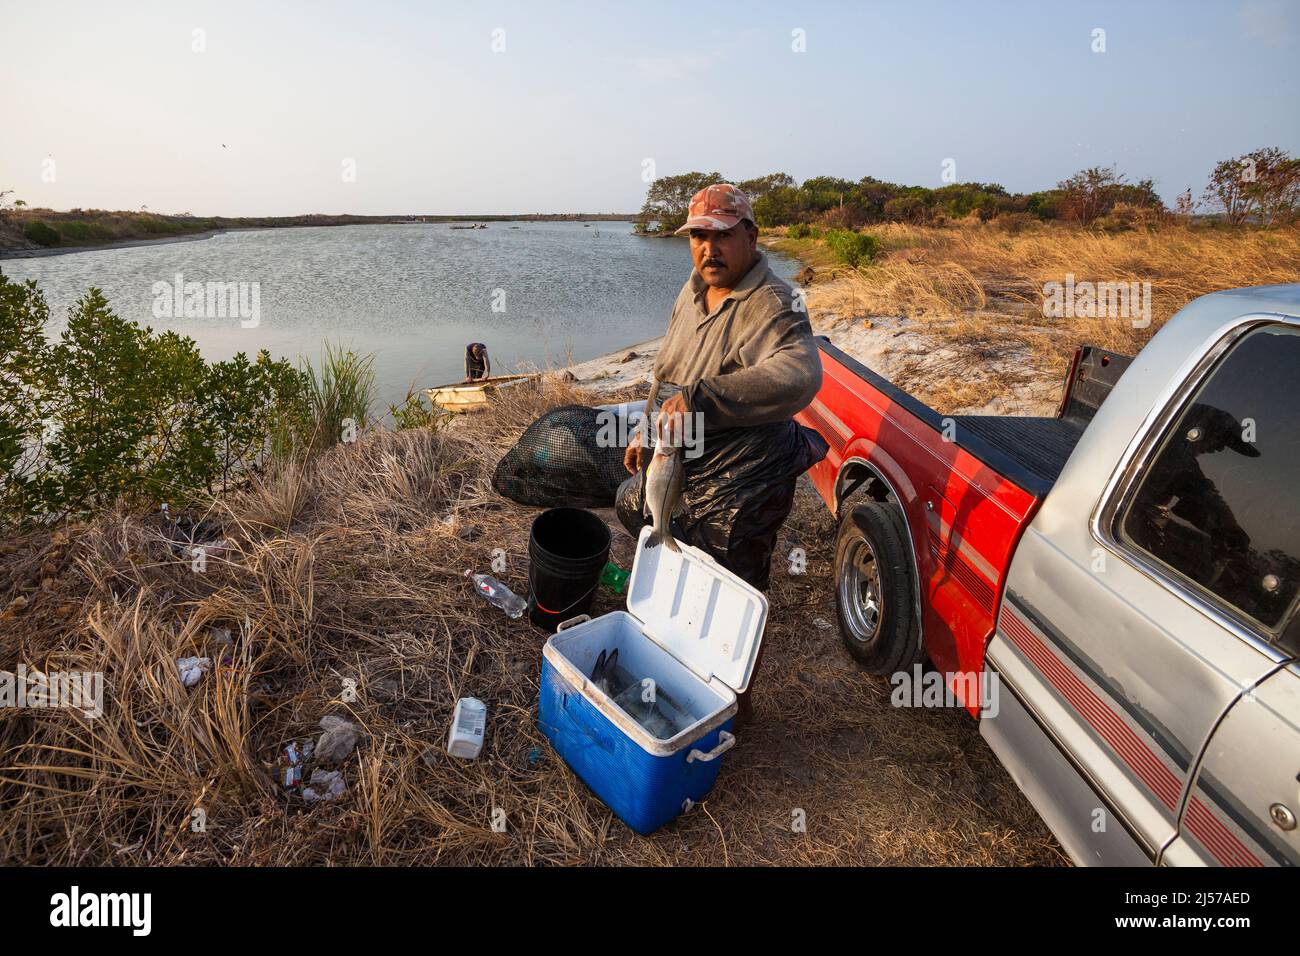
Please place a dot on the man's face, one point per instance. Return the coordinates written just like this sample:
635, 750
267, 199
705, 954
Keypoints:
723, 256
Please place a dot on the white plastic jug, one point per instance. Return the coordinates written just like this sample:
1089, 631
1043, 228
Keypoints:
467, 726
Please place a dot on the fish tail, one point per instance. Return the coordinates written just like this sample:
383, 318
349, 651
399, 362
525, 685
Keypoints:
662, 537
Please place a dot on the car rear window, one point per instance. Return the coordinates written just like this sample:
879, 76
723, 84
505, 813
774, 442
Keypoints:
1217, 503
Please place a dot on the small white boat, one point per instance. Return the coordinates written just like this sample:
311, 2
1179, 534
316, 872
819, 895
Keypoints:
471, 396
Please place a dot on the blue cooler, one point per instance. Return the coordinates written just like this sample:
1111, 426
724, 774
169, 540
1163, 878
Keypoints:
692, 626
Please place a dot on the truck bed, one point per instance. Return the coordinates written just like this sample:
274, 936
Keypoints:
1028, 451
1039, 446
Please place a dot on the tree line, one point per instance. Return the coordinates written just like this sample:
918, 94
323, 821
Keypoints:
1260, 187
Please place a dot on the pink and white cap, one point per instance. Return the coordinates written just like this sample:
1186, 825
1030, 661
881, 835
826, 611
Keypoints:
721, 206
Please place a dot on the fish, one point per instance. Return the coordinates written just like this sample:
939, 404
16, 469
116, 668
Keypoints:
609, 676
662, 482
664, 479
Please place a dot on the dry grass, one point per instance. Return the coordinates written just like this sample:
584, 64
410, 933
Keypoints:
973, 294
351, 568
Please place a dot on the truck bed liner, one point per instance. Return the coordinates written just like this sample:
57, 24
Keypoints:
1039, 445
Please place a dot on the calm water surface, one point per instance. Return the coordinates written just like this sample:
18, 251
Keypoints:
413, 295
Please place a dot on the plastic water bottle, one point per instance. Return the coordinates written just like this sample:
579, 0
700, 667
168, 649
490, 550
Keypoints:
498, 594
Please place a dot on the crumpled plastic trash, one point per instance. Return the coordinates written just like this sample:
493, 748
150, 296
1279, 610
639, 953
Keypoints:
193, 668
289, 766
339, 739
290, 763
324, 785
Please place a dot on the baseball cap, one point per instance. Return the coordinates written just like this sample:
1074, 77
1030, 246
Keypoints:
720, 206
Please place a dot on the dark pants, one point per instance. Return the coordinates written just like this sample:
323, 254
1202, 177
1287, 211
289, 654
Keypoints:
741, 539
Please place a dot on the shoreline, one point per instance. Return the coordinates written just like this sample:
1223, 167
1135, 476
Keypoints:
901, 349
123, 244
41, 252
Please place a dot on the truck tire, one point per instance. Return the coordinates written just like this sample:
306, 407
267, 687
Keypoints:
873, 590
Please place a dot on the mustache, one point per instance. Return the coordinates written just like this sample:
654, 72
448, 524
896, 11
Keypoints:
713, 261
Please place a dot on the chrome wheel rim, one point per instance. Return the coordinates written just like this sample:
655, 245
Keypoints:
860, 596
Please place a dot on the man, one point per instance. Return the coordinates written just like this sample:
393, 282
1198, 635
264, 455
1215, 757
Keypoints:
740, 359
477, 364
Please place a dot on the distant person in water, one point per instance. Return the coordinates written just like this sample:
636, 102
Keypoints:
477, 364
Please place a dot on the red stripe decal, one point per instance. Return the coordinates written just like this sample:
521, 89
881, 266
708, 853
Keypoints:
1202, 823
1158, 778
1217, 838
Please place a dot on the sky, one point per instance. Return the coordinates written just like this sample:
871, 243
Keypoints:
388, 107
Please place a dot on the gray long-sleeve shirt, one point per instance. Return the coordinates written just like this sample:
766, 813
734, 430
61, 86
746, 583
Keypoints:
750, 361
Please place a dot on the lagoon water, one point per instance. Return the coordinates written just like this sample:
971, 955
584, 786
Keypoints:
411, 294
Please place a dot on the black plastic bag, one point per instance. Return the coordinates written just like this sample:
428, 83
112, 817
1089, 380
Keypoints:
564, 459
738, 493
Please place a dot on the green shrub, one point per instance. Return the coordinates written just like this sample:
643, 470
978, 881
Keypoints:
113, 411
41, 232
911, 209
76, 230
852, 248
23, 355
156, 226
413, 413
800, 230
260, 412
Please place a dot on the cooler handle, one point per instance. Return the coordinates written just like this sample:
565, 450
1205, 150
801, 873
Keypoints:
725, 742
580, 619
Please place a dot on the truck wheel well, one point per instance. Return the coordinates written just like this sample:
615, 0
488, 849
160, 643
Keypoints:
857, 480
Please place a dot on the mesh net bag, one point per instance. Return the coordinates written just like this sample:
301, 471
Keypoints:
565, 458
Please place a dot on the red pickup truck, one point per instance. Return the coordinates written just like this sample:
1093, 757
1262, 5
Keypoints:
1127, 573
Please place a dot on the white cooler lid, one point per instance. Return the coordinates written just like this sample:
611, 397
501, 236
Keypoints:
697, 610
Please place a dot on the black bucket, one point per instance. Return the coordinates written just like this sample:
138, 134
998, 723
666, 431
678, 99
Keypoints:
567, 551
